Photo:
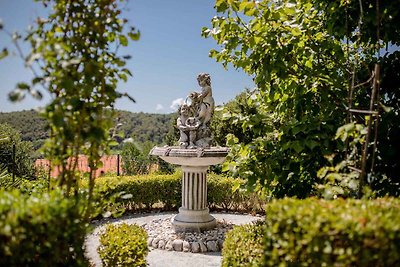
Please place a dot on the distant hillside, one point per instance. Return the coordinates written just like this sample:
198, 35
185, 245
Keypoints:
144, 126
141, 126
32, 127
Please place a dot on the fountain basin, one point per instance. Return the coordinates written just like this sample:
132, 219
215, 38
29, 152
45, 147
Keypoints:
191, 157
194, 214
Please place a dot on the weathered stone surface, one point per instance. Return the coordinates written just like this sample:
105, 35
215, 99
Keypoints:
149, 241
203, 247
185, 246
161, 244
195, 247
177, 245
154, 244
212, 246
220, 243
162, 235
168, 246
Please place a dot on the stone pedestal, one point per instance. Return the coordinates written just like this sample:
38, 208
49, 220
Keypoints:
194, 214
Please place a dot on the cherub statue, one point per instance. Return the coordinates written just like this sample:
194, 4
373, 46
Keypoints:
204, 100
188, 127
194, 118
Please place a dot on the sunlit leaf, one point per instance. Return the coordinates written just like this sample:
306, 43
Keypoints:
16, 95
3, 53
123, 40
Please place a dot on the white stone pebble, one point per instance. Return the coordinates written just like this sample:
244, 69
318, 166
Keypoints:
162, 235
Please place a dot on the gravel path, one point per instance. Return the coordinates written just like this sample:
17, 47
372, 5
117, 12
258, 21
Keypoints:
164, 258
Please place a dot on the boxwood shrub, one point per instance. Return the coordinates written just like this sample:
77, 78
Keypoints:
123, 245
147, 192
243, 246
314, 232
41, 230
141, 192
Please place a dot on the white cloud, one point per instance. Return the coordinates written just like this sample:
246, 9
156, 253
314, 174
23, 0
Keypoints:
159, 107
177, 103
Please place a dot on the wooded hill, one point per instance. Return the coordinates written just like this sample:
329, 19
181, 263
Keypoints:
141, 126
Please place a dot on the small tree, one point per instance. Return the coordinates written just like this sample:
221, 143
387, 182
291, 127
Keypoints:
75, 58
135, 158
24, 165
314, 62
291, 116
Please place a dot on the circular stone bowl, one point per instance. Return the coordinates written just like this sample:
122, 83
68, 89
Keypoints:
191, 157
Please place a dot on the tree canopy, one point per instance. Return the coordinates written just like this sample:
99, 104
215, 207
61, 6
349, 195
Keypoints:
305, 56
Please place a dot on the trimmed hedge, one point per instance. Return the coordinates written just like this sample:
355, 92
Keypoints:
314, 232
146, 192
41, 230
243, 246
221, 195
123, 245
141, 192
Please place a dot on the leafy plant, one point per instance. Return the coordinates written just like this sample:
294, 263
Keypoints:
135, 158
340, 232
24, 165
6, 181
155, 191
311, 62
243, 246
293, 113
74, 57
342, 179
123, 245
41, 230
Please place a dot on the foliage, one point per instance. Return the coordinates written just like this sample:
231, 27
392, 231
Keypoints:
226, 193
295, 110
137, 160
225, 123
340, 232
123, 245
310, 61
74, 57
39, 185
23, 150
386, 179
135, 157
6, 181
342, 179
141, 192
32, 127
44, 230
143, 127
144, 192
243, 246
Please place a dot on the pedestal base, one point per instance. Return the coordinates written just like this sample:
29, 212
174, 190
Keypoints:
193, 220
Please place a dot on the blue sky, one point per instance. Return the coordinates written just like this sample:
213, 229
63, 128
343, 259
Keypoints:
165, 61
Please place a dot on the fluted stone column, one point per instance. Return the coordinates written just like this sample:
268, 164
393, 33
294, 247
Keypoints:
194, 214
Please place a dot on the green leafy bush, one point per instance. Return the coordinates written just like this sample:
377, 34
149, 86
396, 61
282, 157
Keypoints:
6, 180
243, 246
123, 245
164, 191
141, 192
40, 231
314, 232
24, 164
227, 193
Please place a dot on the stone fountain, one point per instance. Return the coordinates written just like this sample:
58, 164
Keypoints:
195, 155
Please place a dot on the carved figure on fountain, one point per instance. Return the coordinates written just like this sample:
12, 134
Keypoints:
193, 122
